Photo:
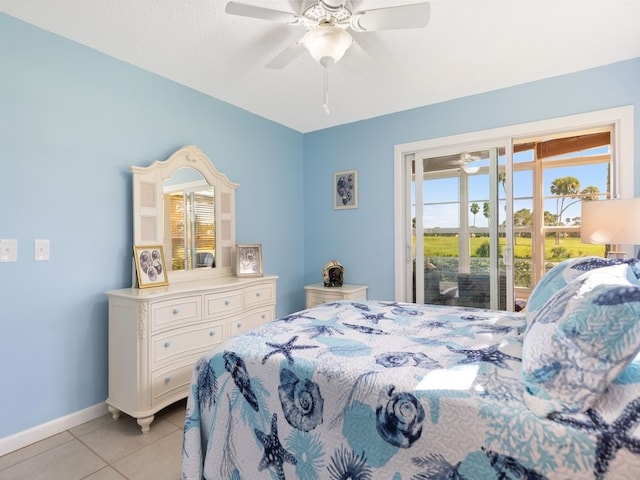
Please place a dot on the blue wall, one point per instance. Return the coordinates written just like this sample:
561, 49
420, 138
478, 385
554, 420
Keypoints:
362, 239
73, 120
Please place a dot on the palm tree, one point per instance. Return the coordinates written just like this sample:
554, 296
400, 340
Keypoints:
590, 193
569, 187
564, 187
475, 208
485, 210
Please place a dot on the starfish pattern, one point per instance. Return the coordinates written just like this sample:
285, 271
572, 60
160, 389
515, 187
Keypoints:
490, 354
609, 437
431, 324
274, 454
285, 348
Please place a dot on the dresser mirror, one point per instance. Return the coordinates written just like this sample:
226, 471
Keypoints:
187, 206
189, 220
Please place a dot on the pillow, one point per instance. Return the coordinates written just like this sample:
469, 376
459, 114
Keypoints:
581, 340
561, 275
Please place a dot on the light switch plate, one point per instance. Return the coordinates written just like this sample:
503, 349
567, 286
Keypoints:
41, 251
8, 250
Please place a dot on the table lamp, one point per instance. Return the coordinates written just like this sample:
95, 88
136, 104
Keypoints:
611, 222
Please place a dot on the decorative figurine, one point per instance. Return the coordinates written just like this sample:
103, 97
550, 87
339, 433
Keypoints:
333, 274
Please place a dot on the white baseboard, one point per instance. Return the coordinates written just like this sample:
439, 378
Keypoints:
40, 432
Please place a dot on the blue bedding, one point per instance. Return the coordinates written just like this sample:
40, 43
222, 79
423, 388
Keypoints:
382, 390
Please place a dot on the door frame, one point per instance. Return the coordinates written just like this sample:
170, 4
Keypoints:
622, 145
491, 147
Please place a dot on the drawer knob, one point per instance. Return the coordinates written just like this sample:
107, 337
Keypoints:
167, 344
239, 325
258, 294
176, 311
227, 302
263, 316
167, 379
212, 333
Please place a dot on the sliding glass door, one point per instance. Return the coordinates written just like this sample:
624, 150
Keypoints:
461, 229
510, 209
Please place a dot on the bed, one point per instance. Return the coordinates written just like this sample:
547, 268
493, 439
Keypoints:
385, 390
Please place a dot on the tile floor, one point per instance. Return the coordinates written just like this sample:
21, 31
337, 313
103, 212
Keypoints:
104, 449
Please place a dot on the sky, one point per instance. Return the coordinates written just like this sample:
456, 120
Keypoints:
441, 196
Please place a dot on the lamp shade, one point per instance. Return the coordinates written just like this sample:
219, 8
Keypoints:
327, 43
611, 222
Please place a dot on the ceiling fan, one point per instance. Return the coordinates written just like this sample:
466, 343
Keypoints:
327, 23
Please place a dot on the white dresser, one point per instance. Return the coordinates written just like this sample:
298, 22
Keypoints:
318, 293
156, 336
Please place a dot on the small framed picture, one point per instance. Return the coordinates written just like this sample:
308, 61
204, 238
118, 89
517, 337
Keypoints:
249, 260
345, 189
150, 266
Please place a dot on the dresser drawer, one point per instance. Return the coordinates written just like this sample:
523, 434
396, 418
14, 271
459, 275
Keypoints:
318, 293
262, 294
171, 382
186, 341
223, 304
157, 336
317, 298
250, 320
314, 299
172, 313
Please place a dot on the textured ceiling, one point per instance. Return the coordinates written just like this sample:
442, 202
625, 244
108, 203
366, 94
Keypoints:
470, 46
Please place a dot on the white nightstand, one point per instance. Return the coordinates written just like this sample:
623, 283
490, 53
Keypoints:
318, 293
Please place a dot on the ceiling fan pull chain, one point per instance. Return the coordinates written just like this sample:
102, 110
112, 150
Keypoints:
326, 90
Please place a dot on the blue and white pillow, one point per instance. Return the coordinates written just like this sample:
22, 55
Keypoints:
581, 339
563, 274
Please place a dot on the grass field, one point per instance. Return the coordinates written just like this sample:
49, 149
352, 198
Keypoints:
443, 252
447, 246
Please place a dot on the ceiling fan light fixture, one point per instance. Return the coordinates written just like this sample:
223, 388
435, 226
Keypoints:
327, 43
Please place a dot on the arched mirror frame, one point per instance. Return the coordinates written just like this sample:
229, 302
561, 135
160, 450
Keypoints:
149, 216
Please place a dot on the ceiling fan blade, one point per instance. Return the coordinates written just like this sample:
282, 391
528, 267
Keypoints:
372, 46
287, 56
253, 11
392, 18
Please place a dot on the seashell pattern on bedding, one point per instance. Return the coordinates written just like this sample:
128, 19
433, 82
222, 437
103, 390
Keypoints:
398, 391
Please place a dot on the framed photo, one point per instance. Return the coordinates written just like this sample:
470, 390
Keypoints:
345, 189
150, 266
249, 260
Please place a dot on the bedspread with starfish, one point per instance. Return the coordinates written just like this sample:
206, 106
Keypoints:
383, 390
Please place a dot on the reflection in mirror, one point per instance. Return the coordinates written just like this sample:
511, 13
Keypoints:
189, 210
186, 205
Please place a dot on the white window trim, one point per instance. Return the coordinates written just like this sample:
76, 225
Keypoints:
622, 145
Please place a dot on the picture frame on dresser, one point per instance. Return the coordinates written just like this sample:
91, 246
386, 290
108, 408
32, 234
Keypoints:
150, 266
345, 189
249, 260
